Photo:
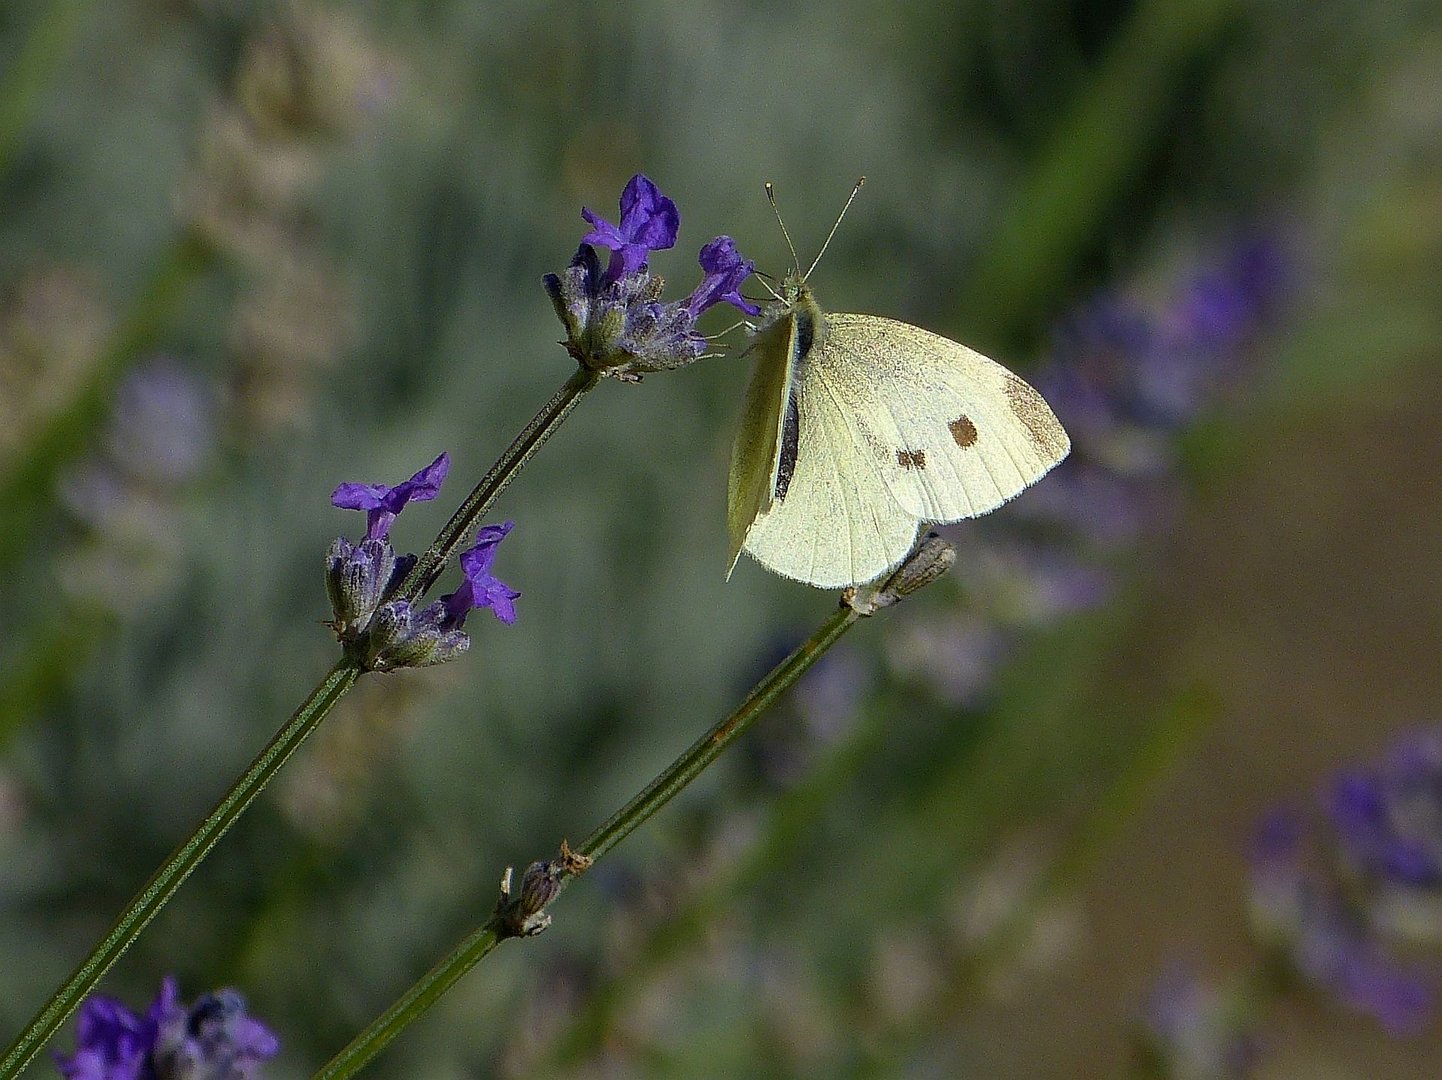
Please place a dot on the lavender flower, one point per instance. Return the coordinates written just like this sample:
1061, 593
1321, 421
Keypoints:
358, 576
1343, 927
389, 634
399, 635
480, 589
1195, 1030
213, 1039
615, 320
649, 222
1389, 819
383, 503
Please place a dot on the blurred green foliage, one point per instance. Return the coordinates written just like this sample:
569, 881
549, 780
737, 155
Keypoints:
358, 283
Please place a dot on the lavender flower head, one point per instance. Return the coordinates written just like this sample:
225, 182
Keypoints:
213, 1039
1349, 920
615, 320
385, 634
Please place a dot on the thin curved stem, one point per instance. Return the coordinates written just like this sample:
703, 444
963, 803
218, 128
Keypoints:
479, 943
162, 886
423, 575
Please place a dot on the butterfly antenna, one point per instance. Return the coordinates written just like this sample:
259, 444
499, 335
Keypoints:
771, 198
766, 279
850, 199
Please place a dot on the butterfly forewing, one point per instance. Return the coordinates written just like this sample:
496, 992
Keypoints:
953, 434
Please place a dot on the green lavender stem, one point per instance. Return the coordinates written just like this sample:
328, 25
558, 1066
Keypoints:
790, 822
423, 575
476, 946
162, 886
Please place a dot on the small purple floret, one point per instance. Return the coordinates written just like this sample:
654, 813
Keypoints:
649, 222
725, 271
383, 503
213, 1039
481, 589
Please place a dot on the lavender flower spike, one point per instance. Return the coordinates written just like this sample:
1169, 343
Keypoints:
383, 503
649, 222
616, 322
480, 589
213, 1039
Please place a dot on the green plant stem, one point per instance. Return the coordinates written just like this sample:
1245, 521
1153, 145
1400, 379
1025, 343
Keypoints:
423, 575
790, 822
479, 943
22, 85
162, 886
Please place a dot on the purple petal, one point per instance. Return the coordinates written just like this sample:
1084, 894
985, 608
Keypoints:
648, 218
649, 222
480, 589
725, 271
422, 487
383, 503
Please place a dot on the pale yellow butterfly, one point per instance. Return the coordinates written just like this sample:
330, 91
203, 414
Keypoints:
859, 429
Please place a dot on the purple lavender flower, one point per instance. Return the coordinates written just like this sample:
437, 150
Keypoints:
480, 589
161, 430
1328, 934
213, 1039
725, 271
615, 320
383, 503
358, 576
1389, 818
649, 222
1193, 1029
399, 635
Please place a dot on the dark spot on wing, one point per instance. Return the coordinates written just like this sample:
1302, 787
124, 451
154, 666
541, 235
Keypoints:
911, 459
790, 443
963, 431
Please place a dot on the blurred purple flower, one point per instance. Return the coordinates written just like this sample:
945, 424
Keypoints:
162, 429
383, 503
1389, 818
213, 1039
1194, 1030
1337, 925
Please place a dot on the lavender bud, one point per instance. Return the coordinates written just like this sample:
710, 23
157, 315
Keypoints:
928, 561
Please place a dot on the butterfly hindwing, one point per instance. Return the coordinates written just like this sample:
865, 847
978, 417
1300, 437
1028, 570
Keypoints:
837, 523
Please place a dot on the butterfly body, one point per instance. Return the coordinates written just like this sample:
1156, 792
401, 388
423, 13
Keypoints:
859, 429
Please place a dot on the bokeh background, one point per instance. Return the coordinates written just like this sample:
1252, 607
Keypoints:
249, 250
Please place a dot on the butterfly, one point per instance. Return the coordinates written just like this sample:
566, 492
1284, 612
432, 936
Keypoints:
858, 429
